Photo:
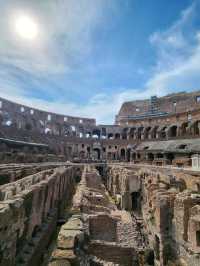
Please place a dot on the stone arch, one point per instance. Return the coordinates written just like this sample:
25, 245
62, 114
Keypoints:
125, 133
195, 128
123, 154
128, 154
96, 133
170, 157
97, 153
103, 132
146, 132
110, 136
172, 132
184, 128
154, 131
132, 133
163, 133
117, 136
140, 132
150, 156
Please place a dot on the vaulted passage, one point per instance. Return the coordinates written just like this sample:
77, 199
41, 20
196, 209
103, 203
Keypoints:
136, 205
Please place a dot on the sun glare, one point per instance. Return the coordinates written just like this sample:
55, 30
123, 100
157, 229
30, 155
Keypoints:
26, 27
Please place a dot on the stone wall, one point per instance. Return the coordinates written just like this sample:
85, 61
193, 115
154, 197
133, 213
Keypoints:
13, 172
163, 109
28, 212
167, 200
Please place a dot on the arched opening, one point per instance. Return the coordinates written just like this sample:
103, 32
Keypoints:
129, 155
182, 185
123, 154
132, 133
154, 132
103, 132
133, 156
28, 126
160, 156
170, 157
163, 132
124, 133
96, 133
184, 128
110, 135
173, 131
139, 132
146, 132
97, 153
150, 156
135, 200
196, 128
117, 136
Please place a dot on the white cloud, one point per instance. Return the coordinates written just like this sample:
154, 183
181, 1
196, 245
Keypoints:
177, 62
178, 58
64, 33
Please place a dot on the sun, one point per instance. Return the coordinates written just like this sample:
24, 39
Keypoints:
26, 27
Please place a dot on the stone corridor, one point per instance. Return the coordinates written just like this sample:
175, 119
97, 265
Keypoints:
98, 233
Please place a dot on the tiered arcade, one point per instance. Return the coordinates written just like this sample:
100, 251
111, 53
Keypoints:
159, 130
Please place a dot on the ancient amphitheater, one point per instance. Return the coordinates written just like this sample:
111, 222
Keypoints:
76, 193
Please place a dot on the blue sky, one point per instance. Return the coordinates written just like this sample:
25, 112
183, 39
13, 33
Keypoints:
92, 55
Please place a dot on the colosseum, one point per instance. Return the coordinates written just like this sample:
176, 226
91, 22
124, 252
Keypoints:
76, 193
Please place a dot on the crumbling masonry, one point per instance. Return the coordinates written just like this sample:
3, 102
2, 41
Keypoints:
76, 193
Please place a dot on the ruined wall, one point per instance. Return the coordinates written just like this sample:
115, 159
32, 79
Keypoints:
28, 214
13, 172
167, 109
168, 202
